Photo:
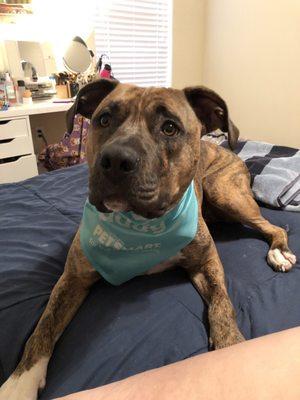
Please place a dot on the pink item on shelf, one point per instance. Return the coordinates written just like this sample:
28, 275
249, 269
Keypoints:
105, 74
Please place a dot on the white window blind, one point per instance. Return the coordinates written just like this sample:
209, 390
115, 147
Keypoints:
136, 35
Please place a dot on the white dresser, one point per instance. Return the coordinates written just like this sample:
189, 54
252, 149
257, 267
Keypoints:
17, 158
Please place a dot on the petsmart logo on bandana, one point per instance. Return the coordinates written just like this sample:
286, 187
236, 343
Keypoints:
122, 245
133, 222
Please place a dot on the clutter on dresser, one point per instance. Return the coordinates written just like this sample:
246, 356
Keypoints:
15, 91
42, 89
10, 89
4, 104
27, 97
7, 91
66, 85
20, 89
103, 67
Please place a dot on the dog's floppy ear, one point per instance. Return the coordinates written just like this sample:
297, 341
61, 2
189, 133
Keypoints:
88, 98
212, 111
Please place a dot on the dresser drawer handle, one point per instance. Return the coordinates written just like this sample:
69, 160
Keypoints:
11, 159
6, 121
6, 140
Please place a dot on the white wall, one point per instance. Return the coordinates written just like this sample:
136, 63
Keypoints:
252, 57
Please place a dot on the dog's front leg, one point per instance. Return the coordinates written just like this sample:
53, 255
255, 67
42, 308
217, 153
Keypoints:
206, 271
66, 297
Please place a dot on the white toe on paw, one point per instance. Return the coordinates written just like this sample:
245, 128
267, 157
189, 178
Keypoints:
290, 256
281, 260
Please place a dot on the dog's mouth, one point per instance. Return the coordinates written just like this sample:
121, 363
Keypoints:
147, 204
115, 204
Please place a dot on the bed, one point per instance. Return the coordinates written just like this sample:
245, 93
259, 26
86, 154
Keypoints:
146, 323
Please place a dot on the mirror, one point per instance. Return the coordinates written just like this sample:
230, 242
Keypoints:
78, 58
27, 59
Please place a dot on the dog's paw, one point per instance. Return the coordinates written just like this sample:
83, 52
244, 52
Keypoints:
280, 260
19, 388
27, 385
222, 340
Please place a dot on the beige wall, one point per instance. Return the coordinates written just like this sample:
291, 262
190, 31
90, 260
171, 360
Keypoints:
187, 42
252, 58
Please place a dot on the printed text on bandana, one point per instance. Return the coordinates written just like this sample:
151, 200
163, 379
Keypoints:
139, 224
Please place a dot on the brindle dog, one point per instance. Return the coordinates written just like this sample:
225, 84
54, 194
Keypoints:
152, 139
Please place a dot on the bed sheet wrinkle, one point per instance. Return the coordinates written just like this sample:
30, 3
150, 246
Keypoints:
54, 207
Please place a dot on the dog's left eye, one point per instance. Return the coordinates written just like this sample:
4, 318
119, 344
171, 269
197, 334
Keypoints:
169, 128
104, 120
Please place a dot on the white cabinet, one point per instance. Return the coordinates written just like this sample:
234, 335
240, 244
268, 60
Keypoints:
17, 158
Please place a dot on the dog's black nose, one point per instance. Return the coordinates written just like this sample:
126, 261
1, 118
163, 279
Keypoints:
118, 160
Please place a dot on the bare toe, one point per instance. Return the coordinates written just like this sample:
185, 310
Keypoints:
290, 257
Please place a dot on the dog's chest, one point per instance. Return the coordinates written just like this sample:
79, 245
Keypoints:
169, 264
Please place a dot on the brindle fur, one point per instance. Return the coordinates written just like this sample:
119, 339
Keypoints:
222, 186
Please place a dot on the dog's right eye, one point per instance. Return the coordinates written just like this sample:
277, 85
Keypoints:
169, 128
104, 120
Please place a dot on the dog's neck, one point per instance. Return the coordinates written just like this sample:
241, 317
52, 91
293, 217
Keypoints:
121, 245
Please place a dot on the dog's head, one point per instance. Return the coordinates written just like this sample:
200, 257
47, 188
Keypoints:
144, 143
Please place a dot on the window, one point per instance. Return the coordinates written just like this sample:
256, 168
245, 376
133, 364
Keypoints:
136, 35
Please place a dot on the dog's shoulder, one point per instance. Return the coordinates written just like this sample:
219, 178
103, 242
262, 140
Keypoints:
213, 151
214, 157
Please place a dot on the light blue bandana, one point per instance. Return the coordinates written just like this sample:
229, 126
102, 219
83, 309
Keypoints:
122, 245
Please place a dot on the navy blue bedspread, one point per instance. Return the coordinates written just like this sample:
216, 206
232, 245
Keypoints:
146, 323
